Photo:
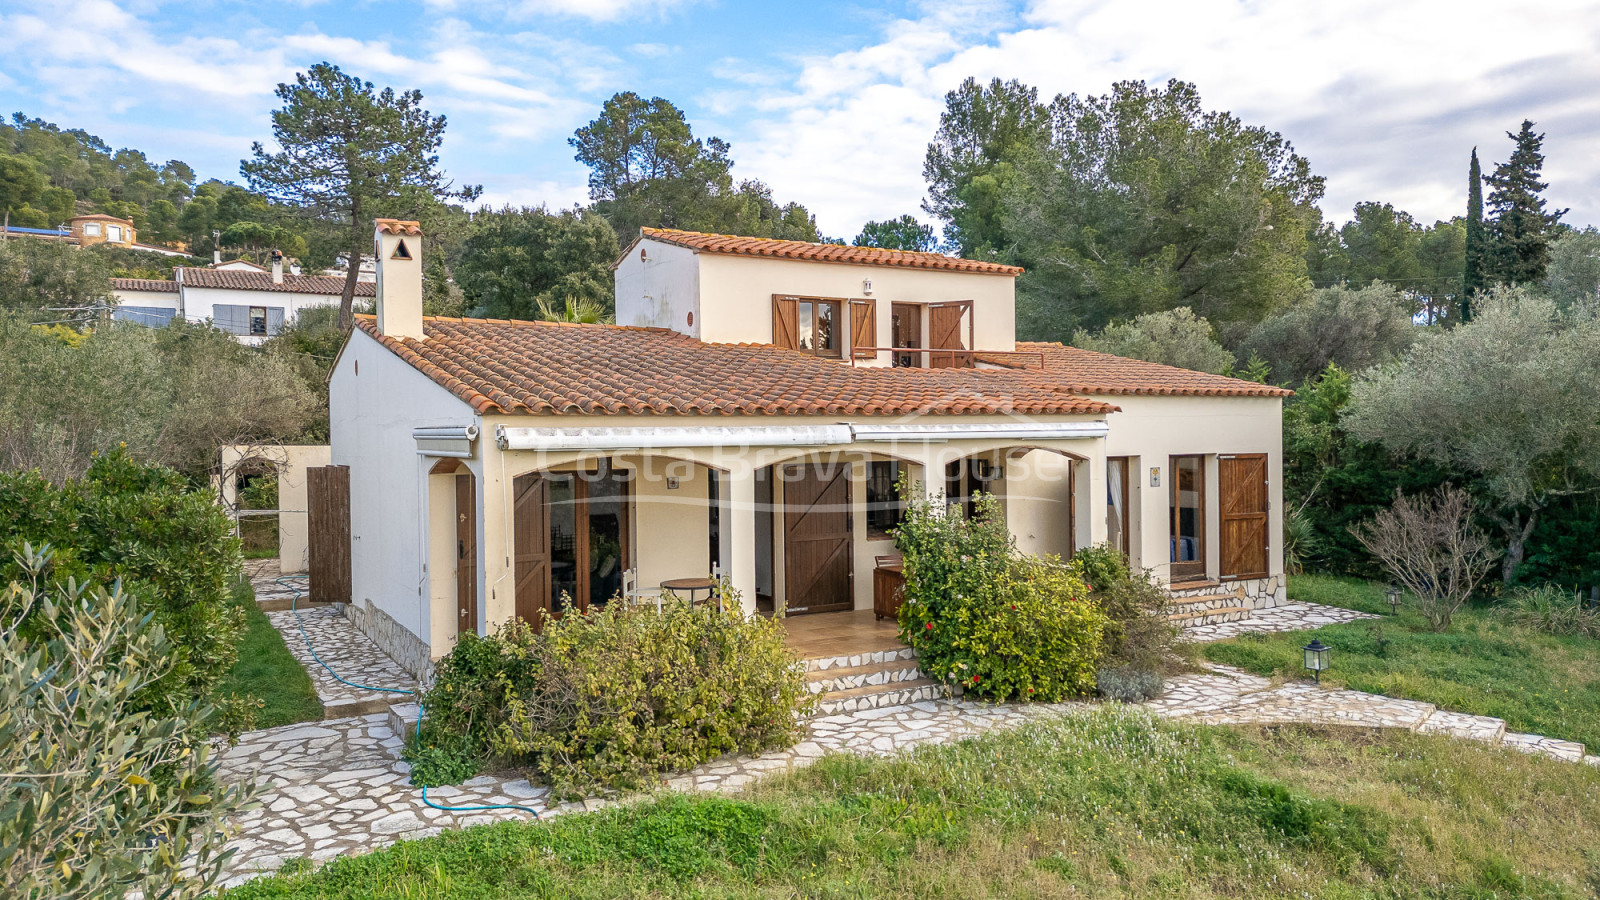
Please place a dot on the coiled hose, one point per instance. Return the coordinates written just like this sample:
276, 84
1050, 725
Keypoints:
293, 583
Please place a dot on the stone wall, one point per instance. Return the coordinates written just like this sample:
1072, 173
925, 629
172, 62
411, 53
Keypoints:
1254, 593
405, 648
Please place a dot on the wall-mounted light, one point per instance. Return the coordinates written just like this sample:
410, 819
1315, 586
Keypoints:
672, 482
866, 286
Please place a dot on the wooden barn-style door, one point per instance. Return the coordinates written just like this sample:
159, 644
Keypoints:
328, 526
1244, 512
817, 557
466, 554
530, 542
944, 333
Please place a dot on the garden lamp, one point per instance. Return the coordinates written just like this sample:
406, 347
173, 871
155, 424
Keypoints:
1393, 593
1316, 658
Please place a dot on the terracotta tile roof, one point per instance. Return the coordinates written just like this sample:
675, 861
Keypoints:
148, 285
833, 253
262, 281
546, 368
398, 226
100, 217
1089, 372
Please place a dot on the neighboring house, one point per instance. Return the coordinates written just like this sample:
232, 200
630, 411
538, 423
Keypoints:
87, 231
750, 416
251, 303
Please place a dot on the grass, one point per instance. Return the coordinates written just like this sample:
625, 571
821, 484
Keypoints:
1483, 665
1110, 803
267, 670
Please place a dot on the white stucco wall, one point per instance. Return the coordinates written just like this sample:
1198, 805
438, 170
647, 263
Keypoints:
148, 299
658, 286
375, 400
200, 303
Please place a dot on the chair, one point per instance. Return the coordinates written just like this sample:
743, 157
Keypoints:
634, 594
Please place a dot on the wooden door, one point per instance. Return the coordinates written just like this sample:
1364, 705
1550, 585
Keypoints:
530, 530
1242, 483
466, 554
863, 328
906, 331
328, 523
944, 333
817, 559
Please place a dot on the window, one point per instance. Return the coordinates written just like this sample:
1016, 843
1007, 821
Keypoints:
91, 228
258, 320
1187, 499
1117, 502
885, 508
907, 333
114, 233
819, 327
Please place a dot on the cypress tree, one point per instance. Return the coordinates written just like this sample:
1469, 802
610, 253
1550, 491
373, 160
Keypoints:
1518, 249
1472, 279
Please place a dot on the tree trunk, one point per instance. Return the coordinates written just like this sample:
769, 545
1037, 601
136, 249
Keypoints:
347, 299
1517, 532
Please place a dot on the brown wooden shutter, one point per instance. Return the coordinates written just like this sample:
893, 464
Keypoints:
944, 333
786, 322
1244, 515
466, 554
530, 540
863, 328
328, 521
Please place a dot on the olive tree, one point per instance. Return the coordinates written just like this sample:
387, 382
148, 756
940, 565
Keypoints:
1174, 337
1350, 328
1508, 398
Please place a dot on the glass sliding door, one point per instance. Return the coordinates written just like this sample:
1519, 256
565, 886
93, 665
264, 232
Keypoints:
1187, 497
565, 549
588, 527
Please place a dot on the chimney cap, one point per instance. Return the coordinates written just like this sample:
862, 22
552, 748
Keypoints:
398, 226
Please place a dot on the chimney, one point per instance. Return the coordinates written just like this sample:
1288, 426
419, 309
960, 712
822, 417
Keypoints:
399, 246
216, 257
277, 267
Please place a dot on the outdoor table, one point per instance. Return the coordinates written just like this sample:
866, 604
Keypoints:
689, 586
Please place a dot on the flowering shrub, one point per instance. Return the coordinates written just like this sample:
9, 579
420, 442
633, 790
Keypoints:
982, 615
606, 699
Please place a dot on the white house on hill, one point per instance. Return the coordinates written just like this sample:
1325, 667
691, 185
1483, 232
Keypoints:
245, 300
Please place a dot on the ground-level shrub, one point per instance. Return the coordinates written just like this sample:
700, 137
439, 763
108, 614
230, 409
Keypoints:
101, 794
1139, 635
606, 699
998, 623
1126, 684
171, 546
1553, 610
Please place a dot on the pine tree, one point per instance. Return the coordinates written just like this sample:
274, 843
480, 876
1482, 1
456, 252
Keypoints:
1472, 280
1518, 249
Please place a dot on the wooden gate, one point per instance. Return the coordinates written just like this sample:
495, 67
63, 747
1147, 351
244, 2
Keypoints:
328, 523
1244, 515
466, 554
530, 530
817, 559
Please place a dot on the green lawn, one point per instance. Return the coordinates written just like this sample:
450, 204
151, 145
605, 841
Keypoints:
1537, 682
268, 671
1106, 804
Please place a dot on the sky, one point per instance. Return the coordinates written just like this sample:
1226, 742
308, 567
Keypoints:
833, 103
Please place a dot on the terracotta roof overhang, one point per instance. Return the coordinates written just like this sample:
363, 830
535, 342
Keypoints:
546, 368
1090, 372
147, 285
234, 280
805, 250
397, 226
655, 438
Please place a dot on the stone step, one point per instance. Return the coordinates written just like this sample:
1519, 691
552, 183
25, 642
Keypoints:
1571, 751
820, 663
403, 719
822, 681
1460, 725
1212, 616
1191, 588
279, 604
879, 696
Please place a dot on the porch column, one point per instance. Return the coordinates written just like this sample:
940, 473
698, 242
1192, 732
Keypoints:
738, 538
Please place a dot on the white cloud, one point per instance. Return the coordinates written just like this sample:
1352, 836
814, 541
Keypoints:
593, 10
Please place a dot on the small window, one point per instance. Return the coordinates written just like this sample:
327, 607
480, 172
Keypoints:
114, 233
258, 320
91, 228
819, 327
885, 508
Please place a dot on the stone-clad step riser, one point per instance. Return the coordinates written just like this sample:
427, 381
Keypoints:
898, 697
886, 675
1215, 618
823, 663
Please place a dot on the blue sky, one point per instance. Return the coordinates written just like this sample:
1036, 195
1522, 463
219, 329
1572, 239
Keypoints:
833, 103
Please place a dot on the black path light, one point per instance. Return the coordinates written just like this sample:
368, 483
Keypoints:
1316, 658
1393, 593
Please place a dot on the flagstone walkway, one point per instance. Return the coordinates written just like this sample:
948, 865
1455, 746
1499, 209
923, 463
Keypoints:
338, 786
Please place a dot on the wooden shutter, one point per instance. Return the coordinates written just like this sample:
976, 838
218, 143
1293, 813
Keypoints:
944, 333
530, 540
274, 320
466, 554
786, 322
328, 524
230, 318
1244, 515
863, 328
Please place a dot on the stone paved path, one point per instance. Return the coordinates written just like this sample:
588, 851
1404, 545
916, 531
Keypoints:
350, 653
338, 786
1288, 617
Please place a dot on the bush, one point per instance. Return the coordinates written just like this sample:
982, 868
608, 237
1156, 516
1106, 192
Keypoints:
104, 793
1126, 684
1552, 610
979, 614
1138, 635
1433, 547
604, 700
172, 548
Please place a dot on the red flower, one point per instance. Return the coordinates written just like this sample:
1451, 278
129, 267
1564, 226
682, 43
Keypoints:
1030, 690
1013, 607
928, 626
974, 679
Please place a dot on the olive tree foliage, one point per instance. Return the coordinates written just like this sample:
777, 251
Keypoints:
1508, 398
1433, 548
1353, 329
51, 279
1143, 200
1174, 337
172, 395
100, 795
1573, 276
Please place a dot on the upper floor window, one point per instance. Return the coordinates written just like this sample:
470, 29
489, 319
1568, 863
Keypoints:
91, 228
808, 324
114, 232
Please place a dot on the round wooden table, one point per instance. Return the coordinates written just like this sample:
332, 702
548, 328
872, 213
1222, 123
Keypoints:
689, 586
